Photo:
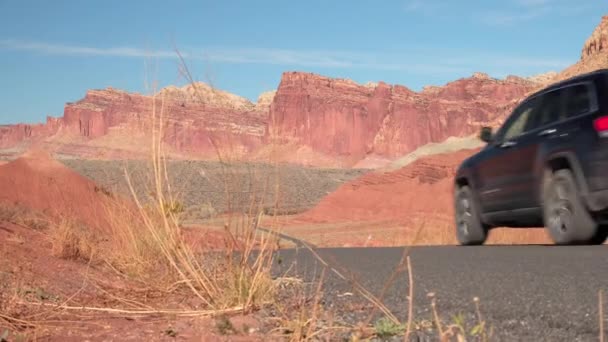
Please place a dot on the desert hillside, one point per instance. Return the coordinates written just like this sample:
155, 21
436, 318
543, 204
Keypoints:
309, 120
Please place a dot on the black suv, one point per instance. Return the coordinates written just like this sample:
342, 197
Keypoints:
546, 166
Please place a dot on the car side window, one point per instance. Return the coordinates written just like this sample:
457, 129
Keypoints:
518, 123
518, 126
550, 110
578, 100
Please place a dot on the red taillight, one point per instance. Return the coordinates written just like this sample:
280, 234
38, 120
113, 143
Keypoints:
601, 126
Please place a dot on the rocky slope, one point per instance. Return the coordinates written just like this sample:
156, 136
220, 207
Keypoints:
352, 122
310, 119
394, 196
195, 118
594, 54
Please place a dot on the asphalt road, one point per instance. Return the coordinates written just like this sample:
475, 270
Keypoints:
526, 293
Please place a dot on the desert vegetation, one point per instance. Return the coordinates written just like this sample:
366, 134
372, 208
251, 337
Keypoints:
202, 188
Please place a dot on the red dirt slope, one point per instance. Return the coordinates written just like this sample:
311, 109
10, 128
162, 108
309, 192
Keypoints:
387, 208
38, 182
422, 187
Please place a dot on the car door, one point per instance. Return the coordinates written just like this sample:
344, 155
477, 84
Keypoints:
505, 173
544, 126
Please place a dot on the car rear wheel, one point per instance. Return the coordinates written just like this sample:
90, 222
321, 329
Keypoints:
469, 228
566, 218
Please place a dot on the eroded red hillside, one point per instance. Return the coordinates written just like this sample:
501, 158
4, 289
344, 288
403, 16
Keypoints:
594, 53
350, 122
196, 120
421, 188
311, 120
388, 208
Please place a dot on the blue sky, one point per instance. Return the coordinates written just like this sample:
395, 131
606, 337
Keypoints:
51, 52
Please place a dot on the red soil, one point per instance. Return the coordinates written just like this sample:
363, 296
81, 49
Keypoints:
422, 187
38, 182
30, 274
386, 208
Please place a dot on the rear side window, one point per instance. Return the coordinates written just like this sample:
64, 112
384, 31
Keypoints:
561, 104
550, 109
578, 100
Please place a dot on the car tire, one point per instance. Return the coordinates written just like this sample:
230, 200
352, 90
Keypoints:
565, 216
470, 230
600, 236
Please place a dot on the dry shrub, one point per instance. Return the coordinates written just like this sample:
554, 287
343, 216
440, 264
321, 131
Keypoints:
247, 279
134, 249
13, 317
71, 240
22, 216
146, 240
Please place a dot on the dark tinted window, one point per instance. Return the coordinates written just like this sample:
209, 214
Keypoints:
550, 108
578, 100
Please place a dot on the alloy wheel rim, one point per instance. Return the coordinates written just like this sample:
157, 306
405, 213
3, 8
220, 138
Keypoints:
560, 209
464, 215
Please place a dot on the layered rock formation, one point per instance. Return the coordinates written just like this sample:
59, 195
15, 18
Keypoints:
12, 135
195, 117
312, 119
598, 42
594, 54
351, 122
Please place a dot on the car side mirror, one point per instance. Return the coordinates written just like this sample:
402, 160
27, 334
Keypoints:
486, 134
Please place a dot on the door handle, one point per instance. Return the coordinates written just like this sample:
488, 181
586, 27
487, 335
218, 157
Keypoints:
507, 144
547, 131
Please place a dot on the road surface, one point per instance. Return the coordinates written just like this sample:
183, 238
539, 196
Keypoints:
526, 293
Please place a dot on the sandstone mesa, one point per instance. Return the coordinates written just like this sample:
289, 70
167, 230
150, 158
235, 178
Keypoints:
310, 119
315, 120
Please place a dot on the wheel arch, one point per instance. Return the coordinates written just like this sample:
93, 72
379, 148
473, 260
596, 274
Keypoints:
564, 160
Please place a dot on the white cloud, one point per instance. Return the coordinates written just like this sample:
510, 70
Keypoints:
419, 61
424, 6
509, 18
527, 10
72, 50
533, 3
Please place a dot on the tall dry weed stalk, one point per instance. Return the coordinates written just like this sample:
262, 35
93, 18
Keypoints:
148, 241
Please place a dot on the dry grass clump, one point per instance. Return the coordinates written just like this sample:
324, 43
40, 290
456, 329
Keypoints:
71, 240
146, 240
11, 313
22, 216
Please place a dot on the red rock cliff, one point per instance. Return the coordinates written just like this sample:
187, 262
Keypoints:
338, 121
192, 120
594, 54
343, 119
598, 42
12, 135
